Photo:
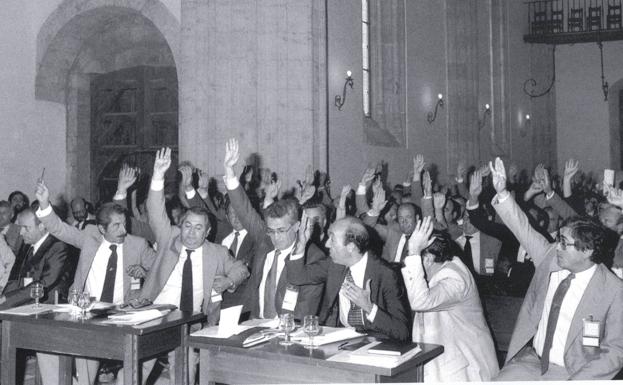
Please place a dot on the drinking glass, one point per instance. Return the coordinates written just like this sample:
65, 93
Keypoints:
286, 323
73, 297
311, 328
36, 292
84, 300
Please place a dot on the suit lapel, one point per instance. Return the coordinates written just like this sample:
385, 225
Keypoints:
209, 266
335, 278
129, 246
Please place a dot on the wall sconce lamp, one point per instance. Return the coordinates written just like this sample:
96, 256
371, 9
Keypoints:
433, 115
341, 99
485, 113
524, 130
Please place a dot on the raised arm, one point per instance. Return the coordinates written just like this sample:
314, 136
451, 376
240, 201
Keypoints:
156, 211
53, 223
535, 244
572, 166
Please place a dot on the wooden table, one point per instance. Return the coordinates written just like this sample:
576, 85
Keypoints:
68, 335
274, 363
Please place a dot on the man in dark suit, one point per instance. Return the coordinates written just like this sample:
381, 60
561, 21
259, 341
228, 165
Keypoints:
43, 258
269, 292
362, 291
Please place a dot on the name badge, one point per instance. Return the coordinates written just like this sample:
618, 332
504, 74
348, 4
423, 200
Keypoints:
590, 335
290, 298
28, 281
489, 268
135, 283
216, 297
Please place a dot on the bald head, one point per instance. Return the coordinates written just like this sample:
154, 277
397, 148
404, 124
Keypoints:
79, 209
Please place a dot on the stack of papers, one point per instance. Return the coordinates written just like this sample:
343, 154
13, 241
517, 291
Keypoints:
30, 309
327, 336
136, 317
361, 356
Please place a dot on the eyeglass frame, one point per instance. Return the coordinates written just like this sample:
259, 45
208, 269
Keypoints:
276, 232
563, 242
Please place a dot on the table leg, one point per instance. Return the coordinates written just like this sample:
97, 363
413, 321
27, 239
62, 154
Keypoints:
204, 367
180, 371
64, 370
131, 366
8, 355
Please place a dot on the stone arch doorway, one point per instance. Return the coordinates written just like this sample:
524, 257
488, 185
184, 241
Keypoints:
81, 41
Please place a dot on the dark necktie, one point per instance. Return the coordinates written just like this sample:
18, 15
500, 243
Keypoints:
234, 245
467, 252
108, 291
355, 314
552, 320
186, 296
270, 288
405, 248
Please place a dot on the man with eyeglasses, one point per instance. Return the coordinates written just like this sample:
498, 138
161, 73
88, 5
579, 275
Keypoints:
269, 293
569, 326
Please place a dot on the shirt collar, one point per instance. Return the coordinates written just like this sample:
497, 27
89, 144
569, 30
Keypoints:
583, 276
359, 268
287, 250
241, 233
38, 244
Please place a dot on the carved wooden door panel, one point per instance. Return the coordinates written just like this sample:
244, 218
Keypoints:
134, 112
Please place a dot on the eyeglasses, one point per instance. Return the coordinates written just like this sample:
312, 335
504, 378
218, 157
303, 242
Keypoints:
563, 242
270, 231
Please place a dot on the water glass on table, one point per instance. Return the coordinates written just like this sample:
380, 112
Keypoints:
84, 301
36, 292
311, 328
286, 323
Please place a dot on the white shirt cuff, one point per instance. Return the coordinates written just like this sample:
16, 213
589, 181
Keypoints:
119, 196
373, 213
427, 197
550, 195
470, 207
42, 213
372, 313
406, 184
458, 180
411, 260
202, 193
190, 194
296, 257
231, 183
361, 189
503, 196
157, 184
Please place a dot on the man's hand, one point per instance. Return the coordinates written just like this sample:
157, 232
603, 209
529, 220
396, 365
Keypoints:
42, 194
136, 271
309, 175
499, 175
162, 163
439, 200
187, 177
418, 166
308, 192
615, 196
222, 283
368, 176
484, 170
546, 182
344, 194
232, 154
535, 188
358, 296
419, 238
127, 177
475, 186
461, 170
303, 235
572, 166
427, 185
272, 190
204, 180
378, 201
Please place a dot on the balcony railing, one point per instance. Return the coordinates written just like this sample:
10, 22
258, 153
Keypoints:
573, 21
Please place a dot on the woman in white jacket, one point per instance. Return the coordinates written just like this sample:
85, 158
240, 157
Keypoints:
447, 309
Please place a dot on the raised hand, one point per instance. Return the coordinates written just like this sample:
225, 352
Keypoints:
484, 170
418, 166
439, 200
357, 295
546, 182
368, 176
419, 238
378, 200
344, 194
162, 163
248, 175
187, 177
204, 180
615, 196
461, 170
127, 177
232, 154
309, 175
572, 166
42, 194
427, 185
475, 186
272, 190
499, 175
307, 193
303, 235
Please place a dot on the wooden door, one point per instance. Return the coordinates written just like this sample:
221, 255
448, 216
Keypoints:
134, 112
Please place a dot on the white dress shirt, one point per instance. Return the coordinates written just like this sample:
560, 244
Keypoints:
567, 310
402, 243
97, 274
358, 271
172, 290
38, 244
228, 240
281, 263
475, 243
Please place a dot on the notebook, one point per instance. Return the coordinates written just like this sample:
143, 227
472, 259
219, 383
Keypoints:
392, 348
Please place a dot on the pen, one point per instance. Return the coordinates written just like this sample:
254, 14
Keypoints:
340, 346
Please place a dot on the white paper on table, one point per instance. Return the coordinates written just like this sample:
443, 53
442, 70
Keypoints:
30, 309
362, 357
66, 308
136, 317
328, 335
272, 323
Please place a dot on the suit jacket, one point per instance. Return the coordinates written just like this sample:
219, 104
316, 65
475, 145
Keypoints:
48, 265
136, 251
489, 249
308, 299
245, 254
393, 317
216, 259
448, 312
603, 299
